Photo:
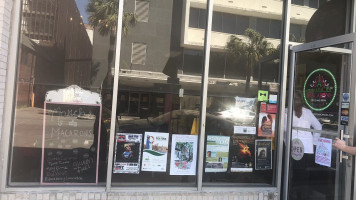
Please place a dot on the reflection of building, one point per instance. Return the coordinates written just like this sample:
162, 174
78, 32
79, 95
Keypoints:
55, 50
164, 50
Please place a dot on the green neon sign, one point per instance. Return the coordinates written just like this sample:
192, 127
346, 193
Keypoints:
320, 89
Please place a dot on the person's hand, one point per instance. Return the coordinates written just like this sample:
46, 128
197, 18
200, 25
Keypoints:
339, 143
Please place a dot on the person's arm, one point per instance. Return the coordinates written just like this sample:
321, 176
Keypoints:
316, 125
341, 144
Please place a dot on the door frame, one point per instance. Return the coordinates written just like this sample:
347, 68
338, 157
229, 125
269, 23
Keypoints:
347, 38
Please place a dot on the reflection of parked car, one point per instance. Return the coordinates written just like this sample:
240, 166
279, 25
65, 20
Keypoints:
181, 121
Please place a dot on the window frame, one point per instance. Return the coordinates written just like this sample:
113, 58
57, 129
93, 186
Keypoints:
10, 97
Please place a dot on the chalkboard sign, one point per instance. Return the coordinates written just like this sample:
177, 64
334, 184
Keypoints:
70, 145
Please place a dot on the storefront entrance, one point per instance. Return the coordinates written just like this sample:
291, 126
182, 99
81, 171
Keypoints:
321, 94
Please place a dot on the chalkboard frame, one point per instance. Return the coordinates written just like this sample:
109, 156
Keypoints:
43, 142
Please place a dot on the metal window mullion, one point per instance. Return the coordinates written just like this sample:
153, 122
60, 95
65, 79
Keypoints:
325, 43
114, 97
352, 119
283, 91
289, 125
204, 89
353, 15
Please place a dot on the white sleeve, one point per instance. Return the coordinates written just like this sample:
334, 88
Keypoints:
316, 125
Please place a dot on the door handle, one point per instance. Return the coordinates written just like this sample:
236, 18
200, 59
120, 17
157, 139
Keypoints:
343, 137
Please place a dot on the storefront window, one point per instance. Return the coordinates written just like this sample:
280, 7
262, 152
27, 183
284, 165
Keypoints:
242, 105
64, 94
158, 109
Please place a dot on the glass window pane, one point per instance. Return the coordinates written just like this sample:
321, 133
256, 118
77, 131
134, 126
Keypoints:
295, 32
323, 19
314, 4
263, 26
64, 93
202, 18
156, 139
194, 18
298, 2
240, 147
229, 23
242, 23
275, 29
217, 22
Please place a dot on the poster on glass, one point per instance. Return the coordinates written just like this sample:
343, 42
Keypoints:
183, 154
154, 156
242, 157
266, 125
127, 153
217, 153
263, 154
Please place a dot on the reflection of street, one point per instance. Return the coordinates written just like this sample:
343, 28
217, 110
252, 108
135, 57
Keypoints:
28, 127
29, 130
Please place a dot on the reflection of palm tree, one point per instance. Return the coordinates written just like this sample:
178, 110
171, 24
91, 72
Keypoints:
104, 16
254, 49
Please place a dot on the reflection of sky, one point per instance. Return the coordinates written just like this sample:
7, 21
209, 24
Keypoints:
82, 6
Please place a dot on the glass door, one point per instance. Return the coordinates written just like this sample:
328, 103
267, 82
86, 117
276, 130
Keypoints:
317, 113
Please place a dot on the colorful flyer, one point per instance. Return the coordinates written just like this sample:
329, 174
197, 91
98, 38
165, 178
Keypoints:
242, 158
345, 105
345, 97
217, 153
266, 125
154, 157
262, 95
127, 153
245, 129
183, 154
344, 120
323, 152
273, 98
263, 107
263, 158
272, 108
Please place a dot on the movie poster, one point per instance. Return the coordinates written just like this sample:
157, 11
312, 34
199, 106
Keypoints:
127, 153
217, 153
266, 125
263, 159
242, 158
154, 156
183, 154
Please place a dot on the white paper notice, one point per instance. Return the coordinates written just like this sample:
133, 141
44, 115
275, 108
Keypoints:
184, 154
154, 157
245, 130
323, 152
273, 98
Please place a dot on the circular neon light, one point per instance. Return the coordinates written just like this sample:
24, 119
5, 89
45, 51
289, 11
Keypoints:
333, 96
